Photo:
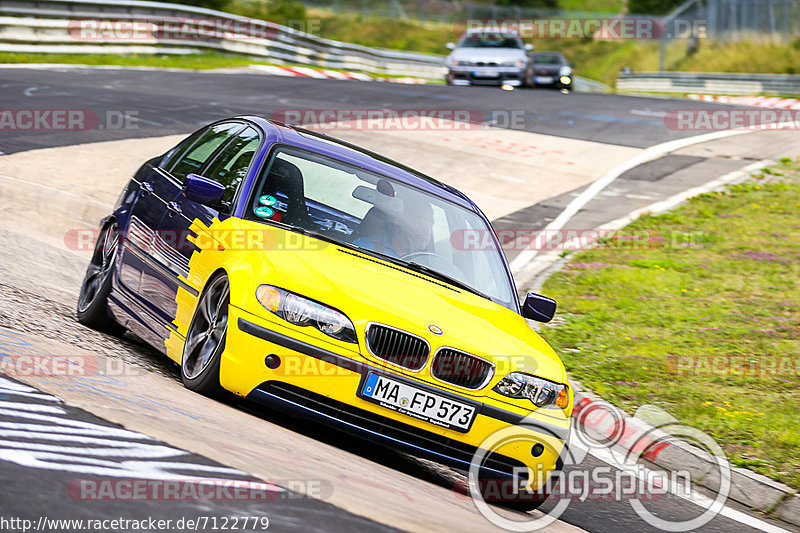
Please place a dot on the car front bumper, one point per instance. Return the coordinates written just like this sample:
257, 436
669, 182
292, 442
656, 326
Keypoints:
553, 80
321, 384
486, 76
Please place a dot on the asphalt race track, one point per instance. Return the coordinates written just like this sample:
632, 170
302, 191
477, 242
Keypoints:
361, 488
179, 102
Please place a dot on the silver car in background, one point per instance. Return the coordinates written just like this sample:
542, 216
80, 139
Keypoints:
483, 58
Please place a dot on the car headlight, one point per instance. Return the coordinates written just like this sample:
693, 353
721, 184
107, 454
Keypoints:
301, 311
565, 71
541, 392
456, 63
518, 64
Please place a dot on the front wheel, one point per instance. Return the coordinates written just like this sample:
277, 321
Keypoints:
504, 493
93, 299
205, 340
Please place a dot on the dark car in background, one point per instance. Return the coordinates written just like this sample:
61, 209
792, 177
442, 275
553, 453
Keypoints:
551, 69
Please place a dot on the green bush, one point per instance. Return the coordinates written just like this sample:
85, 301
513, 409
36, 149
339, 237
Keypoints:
652, 7
284, 12
550, 4
219, 5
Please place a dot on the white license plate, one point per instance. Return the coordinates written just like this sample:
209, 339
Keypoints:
418, 403
543, 79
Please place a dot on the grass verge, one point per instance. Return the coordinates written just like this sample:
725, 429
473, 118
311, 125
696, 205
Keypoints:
188, 62
698, 312
191, 61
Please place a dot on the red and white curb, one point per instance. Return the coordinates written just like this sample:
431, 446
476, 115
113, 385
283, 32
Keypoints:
322, 74
632, 436
758, 101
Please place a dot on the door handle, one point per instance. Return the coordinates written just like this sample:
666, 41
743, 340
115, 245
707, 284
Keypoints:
146, 187
174, 208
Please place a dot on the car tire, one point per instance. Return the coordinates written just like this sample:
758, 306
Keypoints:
92, 309
205, 340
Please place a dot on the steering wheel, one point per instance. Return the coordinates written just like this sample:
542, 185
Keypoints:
447, 267
422, 252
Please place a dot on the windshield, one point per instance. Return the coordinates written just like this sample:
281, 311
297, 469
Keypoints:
548, 59
378, 214
488, 40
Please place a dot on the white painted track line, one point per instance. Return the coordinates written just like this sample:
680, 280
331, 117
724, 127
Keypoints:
607, 456
526, 256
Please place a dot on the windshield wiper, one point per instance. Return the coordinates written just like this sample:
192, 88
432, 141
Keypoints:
311, 233
422, 269
442, 277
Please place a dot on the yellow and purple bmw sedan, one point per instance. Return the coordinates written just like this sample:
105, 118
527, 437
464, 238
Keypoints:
318, 278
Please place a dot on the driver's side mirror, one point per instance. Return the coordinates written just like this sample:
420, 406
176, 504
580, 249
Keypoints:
538, 307
451, 46
528, 47
202, 190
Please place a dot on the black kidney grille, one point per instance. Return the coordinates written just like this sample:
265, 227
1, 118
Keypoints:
398, 347
460, 368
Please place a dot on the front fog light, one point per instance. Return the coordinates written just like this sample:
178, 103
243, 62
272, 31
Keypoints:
566, 80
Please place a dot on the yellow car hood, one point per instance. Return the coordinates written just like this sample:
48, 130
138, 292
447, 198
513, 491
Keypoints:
368, 289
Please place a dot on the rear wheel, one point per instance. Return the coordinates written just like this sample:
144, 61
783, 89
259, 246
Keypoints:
96, 286
205, 340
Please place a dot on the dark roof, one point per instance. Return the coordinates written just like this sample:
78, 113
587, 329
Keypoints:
349, 153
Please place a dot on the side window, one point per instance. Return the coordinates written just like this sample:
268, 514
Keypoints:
175, 152
193, 159
232, 163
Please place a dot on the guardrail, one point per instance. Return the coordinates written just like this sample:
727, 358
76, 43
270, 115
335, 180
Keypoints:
50, 26
709, 83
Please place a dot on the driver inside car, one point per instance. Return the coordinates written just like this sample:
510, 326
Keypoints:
408, 233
